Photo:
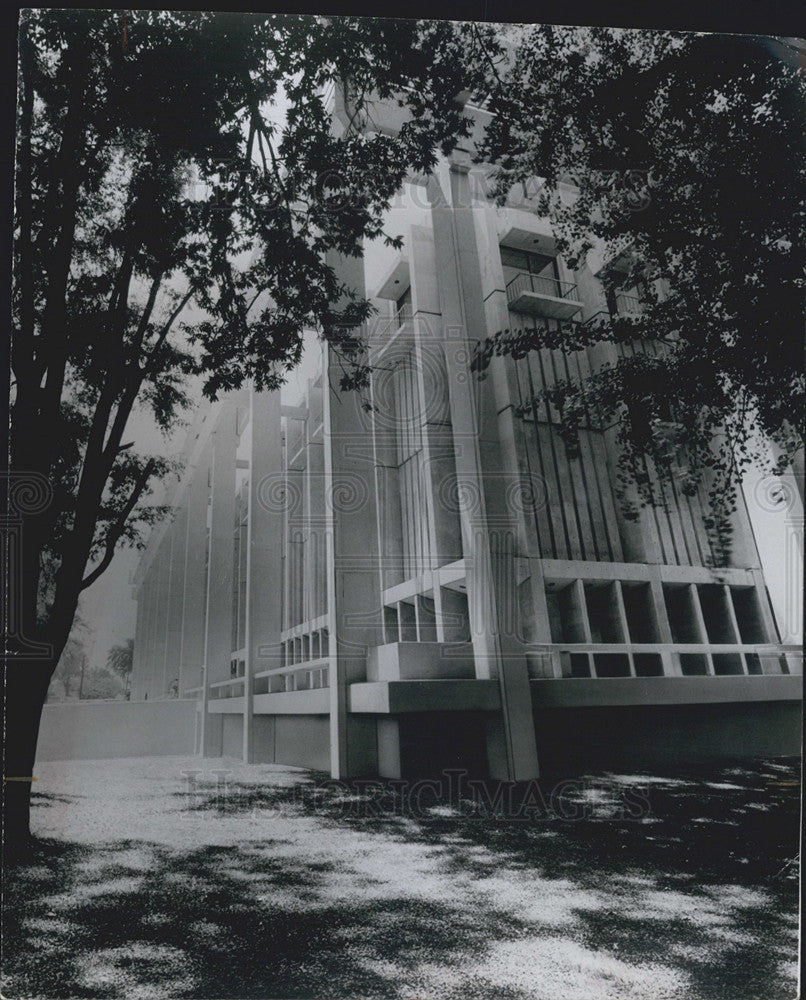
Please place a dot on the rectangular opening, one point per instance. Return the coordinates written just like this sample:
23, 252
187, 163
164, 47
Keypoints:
315, 654
716, 612
748, 614
682, 614
306, 648
580, 665
408, 622
565, 613
391, 633
648, 664
727, 663
753, 661
640, 610
603, 614
455, 618
693, 664
611, 664
426, 619
261, 685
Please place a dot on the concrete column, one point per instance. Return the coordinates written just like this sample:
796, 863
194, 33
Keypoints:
219, 586
161, 613
139, 639
355, 610
150, 586
671, 660
176, 592
525, 490
195, 594
389, 765
512, 750
264, 551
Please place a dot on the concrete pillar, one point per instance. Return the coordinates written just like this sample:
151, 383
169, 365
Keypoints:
176, 592
163, 574
219, 585
524, 491
512, 750
139, 643
191, 657
355, 610
388, 735
264, 552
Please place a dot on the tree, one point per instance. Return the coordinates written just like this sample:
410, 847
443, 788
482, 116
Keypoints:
681, 157
120, 660
72, 662
151, 176
100, 684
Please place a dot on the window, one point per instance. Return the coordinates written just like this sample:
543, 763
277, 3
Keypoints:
535, 263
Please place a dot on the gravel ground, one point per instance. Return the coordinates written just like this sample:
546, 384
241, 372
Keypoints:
268, 882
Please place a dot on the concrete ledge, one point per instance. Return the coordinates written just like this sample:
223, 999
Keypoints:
409, 661
314, 702
391, 697
217, 706
589, 692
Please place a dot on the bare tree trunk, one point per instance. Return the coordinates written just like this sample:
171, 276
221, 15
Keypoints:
26, 686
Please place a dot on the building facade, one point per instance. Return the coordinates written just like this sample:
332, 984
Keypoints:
419, 576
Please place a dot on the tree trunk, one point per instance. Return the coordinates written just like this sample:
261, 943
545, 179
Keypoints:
26, 685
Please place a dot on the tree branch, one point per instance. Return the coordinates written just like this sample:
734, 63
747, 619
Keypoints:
117, 529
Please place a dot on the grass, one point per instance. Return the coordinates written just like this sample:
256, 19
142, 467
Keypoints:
287, 886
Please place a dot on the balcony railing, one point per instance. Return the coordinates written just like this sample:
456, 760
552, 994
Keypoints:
233, 688
402, 315
627, 305
542, 295
525, 281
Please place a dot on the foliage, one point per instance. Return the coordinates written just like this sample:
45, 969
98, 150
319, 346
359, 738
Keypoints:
73, 660
101, 684
171, 224
684, 156
120, 660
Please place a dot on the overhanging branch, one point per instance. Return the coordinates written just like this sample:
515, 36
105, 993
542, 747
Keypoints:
117, 529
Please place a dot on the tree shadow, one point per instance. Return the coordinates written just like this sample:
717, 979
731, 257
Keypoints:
700, 881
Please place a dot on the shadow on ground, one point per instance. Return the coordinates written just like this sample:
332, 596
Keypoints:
678, 885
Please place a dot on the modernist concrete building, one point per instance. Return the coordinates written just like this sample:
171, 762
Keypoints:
421, 577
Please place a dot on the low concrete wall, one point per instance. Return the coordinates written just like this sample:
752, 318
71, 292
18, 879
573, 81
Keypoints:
662, 735
93, 730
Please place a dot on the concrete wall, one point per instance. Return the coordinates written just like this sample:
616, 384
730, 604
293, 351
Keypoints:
95, 730
232, 738
659, 735
303, 740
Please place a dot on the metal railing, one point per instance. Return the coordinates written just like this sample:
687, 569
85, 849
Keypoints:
628, 305
232, 688
524, 281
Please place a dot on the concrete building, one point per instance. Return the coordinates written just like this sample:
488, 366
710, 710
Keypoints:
420, 576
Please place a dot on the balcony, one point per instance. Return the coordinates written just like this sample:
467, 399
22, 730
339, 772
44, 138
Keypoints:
627, 305
542, 296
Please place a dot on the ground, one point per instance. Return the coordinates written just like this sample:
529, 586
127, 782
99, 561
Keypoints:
268, 882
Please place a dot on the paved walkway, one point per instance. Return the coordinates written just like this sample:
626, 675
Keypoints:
264, 882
